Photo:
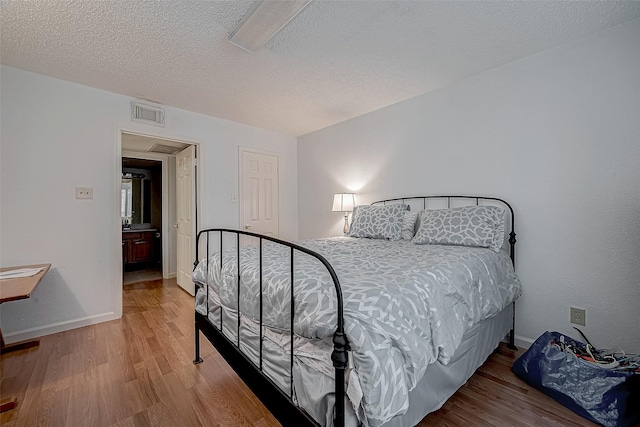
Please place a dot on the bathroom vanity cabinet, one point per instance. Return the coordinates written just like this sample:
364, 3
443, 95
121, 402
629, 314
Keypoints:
137, 246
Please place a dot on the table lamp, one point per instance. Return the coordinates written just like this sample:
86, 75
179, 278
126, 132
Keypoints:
344, 202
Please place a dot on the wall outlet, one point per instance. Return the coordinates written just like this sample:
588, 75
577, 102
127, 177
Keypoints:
84, 192
578, 316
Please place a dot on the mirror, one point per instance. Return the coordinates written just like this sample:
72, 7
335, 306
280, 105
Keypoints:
135, 200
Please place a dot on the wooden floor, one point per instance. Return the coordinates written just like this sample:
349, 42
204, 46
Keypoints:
138, 371
146, 274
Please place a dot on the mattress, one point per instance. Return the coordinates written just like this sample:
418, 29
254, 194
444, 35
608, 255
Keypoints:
406, 307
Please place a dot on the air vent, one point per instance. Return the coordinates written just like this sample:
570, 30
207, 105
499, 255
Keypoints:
164, 149
147, 114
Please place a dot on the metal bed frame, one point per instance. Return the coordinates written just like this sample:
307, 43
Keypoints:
278, 402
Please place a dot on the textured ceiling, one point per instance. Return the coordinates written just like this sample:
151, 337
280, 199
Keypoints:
334, 61
139, 143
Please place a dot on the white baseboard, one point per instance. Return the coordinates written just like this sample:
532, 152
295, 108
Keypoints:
67, 325
172, 275
523, 342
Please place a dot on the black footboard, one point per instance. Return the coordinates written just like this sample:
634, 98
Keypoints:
278, 402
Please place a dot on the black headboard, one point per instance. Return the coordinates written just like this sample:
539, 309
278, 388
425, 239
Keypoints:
472, 200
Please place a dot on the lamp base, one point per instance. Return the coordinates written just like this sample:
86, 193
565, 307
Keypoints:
345, 230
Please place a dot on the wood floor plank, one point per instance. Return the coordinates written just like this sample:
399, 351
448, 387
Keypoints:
160, 416
138, 371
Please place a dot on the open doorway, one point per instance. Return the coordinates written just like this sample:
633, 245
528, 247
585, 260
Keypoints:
148, 206
141, 213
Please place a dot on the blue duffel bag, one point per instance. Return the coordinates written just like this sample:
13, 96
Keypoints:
605, 396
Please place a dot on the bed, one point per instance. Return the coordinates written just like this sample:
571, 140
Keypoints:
388, 322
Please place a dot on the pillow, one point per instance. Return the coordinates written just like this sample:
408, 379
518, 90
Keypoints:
409, 225
378, 222
481, 226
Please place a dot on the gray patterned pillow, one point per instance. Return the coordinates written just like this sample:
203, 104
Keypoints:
378, 222
409, 225
481, 226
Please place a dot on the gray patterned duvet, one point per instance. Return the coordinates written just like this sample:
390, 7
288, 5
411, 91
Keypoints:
405, 305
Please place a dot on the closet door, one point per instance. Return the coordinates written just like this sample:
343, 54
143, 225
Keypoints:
260, 204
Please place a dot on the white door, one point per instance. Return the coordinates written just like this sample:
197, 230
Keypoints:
185, 197
259, 193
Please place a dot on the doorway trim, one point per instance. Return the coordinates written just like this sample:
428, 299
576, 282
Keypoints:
117, 268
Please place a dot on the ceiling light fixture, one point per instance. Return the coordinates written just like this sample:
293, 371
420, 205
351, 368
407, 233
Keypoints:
264, 21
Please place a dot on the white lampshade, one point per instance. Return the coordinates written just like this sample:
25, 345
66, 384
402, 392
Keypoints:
343, 202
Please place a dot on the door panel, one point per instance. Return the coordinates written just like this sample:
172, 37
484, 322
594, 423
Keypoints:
185, 199
259, 193
141, 250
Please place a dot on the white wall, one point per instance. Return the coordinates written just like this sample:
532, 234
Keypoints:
556, 134
57, 135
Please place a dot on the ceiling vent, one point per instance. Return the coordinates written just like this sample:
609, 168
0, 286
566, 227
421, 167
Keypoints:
147, 114
164, 149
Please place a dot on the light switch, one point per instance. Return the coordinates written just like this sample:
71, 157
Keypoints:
84, 192
234, 198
